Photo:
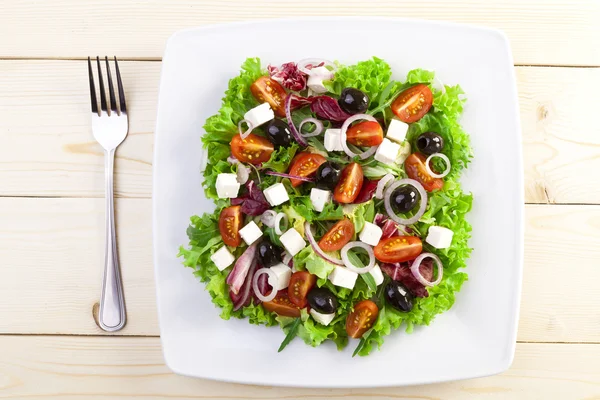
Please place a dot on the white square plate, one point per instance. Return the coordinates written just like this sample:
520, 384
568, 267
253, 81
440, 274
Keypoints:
476, 337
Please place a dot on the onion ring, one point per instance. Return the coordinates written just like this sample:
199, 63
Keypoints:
414, 268
353, 267
245, 133
277, 224
422, 207
443, 157
243, 173
314, 62
317, 249
343, 138
381, 185
274, 281
268, 218
288, 114
318, 127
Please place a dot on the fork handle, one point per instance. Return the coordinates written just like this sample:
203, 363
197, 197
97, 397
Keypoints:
112, 304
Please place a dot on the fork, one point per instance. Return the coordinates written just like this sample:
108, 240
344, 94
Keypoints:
110, 127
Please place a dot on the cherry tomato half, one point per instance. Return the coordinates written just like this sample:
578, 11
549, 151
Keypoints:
337, 237
282, 305
365, 134
361, 319
266, 89
398, 249
254, 149
301, 283
230, 222
349, 185
415, 169
304, 165
413, 103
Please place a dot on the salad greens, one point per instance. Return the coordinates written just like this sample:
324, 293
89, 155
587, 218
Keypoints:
446, 207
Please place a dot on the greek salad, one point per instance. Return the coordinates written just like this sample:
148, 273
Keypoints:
338, 209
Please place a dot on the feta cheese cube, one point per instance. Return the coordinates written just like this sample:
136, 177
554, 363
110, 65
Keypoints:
323, 319
332, 140
370, 234
397, 130
387, 152
222, 258
319, 198
292, 241
227, 186
377, 275
250, 233
439, 237
276, 194
259, 115
283, 273
316, 78
343, 277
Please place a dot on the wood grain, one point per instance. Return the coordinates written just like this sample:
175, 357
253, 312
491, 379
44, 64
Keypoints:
52, 252
542, 32
123, 368
46, 146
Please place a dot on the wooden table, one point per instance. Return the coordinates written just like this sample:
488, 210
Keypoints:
52, 206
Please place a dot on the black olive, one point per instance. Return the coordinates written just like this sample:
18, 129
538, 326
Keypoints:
398, 296
353, 101
278, 132
327, 175
404, 199
429, 143
322, 300
268, 253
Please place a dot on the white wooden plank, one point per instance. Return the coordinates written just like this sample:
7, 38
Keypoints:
126, 368
542, 32
46, 146
53, 258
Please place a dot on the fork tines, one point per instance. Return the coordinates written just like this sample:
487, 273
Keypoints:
104, 105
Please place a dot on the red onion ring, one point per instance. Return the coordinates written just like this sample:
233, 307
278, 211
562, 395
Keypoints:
243, 173
381, 185
272, 276
318, 127
288, 114
353, 267
414, 268
268, 218
281, 174
315, 63
287, 257
232, 160
316, 248
422, 206
343, 138
443, 157
277, 223
245, 134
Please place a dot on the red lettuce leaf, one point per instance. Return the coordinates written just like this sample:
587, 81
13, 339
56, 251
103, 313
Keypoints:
289, 76
253, 200
366, 191
401, 272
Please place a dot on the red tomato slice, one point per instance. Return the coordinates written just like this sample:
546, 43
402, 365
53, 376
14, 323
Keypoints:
349, 185
253, 149
365, 134
415, 169
361, 319
398, 249
266, 89
304, 165
282, 305
301, 283
230, 222
413, 103
337, 237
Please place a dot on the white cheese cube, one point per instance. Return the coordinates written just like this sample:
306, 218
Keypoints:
387, 152
259, 115
283, 273
276, 194
439, 237
370, 234
377, 275
316, 78
292, 241
319, 198
343, 277
332, 140
250, 233
323, 319
222, 258
397, 130
227, 186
